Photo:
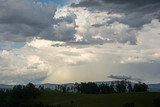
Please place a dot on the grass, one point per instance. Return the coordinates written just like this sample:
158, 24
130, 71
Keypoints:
100, 100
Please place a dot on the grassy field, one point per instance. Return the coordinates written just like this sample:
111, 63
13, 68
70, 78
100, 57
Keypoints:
108, 100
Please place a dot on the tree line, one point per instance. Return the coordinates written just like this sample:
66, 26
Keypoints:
20, 95
114, 87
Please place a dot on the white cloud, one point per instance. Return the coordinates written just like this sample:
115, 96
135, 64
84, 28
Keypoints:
147, 48
94, 27
36, 62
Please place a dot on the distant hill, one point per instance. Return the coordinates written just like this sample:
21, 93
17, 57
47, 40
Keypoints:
3, 86
152, 87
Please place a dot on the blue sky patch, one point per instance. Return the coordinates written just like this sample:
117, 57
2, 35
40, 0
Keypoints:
58, 2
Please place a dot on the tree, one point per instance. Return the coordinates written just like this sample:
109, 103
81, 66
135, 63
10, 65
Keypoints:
41, 88
88, 88
112, 90
64, 89
31, 91
140, 87
77, 87
25, 92
18, 91
129, 87
105, 88
121, 86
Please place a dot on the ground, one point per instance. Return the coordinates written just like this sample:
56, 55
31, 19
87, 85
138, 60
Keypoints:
59, 99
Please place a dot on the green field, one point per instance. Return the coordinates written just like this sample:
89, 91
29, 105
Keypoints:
59, 99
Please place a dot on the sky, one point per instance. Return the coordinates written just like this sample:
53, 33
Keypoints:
67, 41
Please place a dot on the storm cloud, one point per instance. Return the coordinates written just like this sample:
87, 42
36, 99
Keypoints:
86, 22
22, 19
137, 12
41, 42
130, 15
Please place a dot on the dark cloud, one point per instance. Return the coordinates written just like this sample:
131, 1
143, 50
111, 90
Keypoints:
98, 25
21, 19
65, 27
87, 3
124, 78
137, 12
136, 2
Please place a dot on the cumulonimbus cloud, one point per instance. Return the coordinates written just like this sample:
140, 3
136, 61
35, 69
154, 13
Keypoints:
72, 39
87, 22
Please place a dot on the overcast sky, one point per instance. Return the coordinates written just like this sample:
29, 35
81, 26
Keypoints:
63, 41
